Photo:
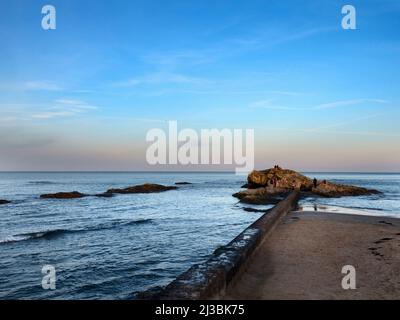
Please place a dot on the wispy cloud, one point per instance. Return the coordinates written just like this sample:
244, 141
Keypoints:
8, 119
149, 120
286, 93
343, 103
161, 78
41, 85
349, 132
232, 46
268, 104
173, 59
343, 123
10, 113
329, 129
65, 108
268, 39
79, 104
36, 85
54, 114
303, 34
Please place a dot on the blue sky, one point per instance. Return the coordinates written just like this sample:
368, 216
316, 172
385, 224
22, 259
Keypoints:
83, 96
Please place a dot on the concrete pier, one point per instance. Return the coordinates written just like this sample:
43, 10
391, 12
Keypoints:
210, 279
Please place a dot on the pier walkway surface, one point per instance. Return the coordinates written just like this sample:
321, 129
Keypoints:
303, 259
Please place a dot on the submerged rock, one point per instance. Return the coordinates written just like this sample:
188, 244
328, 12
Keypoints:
255, 210
145, 188
272, 185
63, 195
104, 195
182, 183
4, 201
266, 195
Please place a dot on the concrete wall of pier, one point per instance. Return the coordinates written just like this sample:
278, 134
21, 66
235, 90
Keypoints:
209, 280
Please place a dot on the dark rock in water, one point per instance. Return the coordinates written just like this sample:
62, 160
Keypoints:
104, 195
63, 195
271, 185
332, 190
182, 183
255, 210
4, 201
262, 195
145, 188
245, 186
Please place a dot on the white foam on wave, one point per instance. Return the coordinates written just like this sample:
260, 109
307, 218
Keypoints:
346, 210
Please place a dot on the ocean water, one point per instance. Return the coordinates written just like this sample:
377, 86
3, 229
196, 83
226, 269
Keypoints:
111, 248
385, 204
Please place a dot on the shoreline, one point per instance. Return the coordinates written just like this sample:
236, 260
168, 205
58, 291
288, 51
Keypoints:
350, 210
304, 256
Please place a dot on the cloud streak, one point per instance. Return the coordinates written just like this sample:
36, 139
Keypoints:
41, 85
268, 104
31, 86
65, 108
56, 109
343, 103
160, 78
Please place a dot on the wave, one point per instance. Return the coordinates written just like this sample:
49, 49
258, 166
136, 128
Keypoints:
51, 234
41, 182
366, 208
34, 235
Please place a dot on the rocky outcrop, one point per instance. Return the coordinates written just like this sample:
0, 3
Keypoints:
277, 177
332, 190
4, 201
272, 185
63, 195
145, 188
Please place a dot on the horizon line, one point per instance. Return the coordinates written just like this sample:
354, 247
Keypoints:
184, 171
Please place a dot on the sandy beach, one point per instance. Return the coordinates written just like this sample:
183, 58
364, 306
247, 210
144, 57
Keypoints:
304, 256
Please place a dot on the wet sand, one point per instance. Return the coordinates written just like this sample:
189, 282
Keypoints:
304, 256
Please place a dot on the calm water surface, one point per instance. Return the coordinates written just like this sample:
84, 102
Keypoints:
110, 248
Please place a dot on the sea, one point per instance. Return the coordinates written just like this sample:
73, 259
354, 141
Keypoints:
113, 248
